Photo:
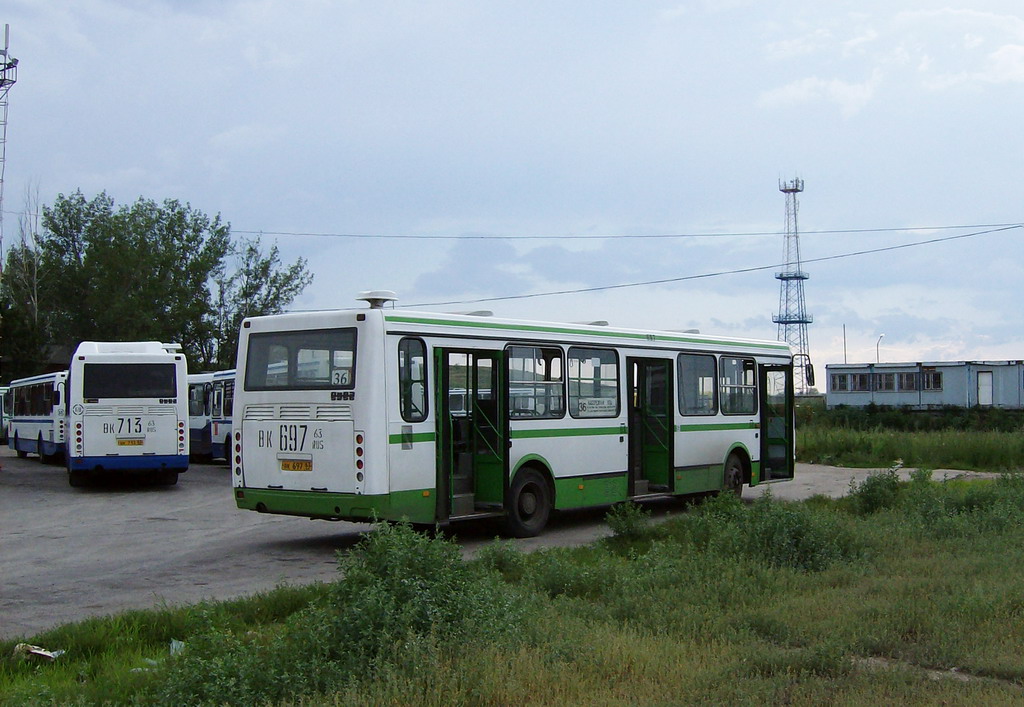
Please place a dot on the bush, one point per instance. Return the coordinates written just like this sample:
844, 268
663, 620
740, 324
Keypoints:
878, 492
628, 520
401, 595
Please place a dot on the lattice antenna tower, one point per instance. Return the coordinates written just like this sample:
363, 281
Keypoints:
8, 76
793, 317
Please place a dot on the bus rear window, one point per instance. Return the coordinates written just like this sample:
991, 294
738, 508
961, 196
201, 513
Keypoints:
129, 380
317, 359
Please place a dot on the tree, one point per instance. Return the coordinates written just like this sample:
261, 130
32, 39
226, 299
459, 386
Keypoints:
140, 272
25, 338
257, 286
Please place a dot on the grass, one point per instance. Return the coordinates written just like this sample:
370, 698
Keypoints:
873, 598
979, 439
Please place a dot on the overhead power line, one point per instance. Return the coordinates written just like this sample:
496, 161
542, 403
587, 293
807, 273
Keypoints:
604, 236
720, 273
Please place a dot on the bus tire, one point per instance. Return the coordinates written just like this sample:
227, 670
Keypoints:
21, 452
530, 501
43, 456
733, 477
76, 479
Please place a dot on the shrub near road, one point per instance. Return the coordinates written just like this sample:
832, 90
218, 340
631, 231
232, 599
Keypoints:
874, 598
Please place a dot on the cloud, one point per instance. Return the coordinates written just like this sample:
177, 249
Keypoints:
850, 97
250, 136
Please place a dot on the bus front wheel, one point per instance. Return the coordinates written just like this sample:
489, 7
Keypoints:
529, 504
21, 453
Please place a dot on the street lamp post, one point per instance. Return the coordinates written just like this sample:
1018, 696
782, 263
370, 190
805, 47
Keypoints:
876, 346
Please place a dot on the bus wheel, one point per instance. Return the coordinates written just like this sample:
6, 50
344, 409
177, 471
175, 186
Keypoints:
529, 506
733, 481
76, 479
43, 456
21, 453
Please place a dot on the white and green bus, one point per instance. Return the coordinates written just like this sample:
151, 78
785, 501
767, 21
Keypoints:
393, 414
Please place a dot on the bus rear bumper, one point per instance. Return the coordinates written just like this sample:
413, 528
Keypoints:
416, 506
168, 462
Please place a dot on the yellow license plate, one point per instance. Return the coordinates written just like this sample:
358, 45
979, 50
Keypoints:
129, 442
296, 465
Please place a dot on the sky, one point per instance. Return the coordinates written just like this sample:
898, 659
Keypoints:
462, 151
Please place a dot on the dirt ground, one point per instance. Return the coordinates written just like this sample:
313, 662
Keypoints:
69, 553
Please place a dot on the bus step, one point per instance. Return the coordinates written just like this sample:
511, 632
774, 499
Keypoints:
640, 487
659, 488
462, 484
462, 504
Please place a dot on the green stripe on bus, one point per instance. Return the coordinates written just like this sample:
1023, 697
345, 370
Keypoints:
415, 437
576, 432
650, 338
713, 426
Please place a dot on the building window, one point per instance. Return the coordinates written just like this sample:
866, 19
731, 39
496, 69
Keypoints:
840, 382
885, 381
535, 382
412, 380
931, 380
593, 382
697, 384
907, 381
860, 382
738, 386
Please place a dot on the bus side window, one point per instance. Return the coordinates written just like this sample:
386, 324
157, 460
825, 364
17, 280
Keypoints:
412, 379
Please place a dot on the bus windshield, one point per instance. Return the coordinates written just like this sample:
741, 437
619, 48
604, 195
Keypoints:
316, 359
129, 380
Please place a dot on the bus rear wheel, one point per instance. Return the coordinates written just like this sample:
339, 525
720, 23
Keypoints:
77, 479
21, 453
529, 504
733, 481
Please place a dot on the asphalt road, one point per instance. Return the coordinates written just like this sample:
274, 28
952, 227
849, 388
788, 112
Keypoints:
70, 553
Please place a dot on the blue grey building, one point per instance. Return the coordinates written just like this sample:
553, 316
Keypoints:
925, 386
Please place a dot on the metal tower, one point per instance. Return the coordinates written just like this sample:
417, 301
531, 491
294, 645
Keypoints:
793, 317
8, 75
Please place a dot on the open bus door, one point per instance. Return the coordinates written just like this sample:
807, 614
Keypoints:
472, 432
777, 423
650, 426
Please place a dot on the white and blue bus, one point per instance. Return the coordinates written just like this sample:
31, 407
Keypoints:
36, 423
200, 387
127, 410
433, 417
222, 400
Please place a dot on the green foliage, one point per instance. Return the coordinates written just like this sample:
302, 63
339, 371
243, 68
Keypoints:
947, 449
628, 520
730, 603
258, 285
144, 271
402, 598
877, 492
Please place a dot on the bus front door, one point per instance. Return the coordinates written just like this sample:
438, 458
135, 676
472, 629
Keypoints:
650, 426
777, 423
473, 432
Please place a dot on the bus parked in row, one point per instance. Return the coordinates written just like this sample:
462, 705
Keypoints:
210, 398
36, 422
432, 417
127, 410
200, 386
222, 400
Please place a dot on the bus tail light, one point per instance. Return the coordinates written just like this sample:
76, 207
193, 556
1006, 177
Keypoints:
359, 456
